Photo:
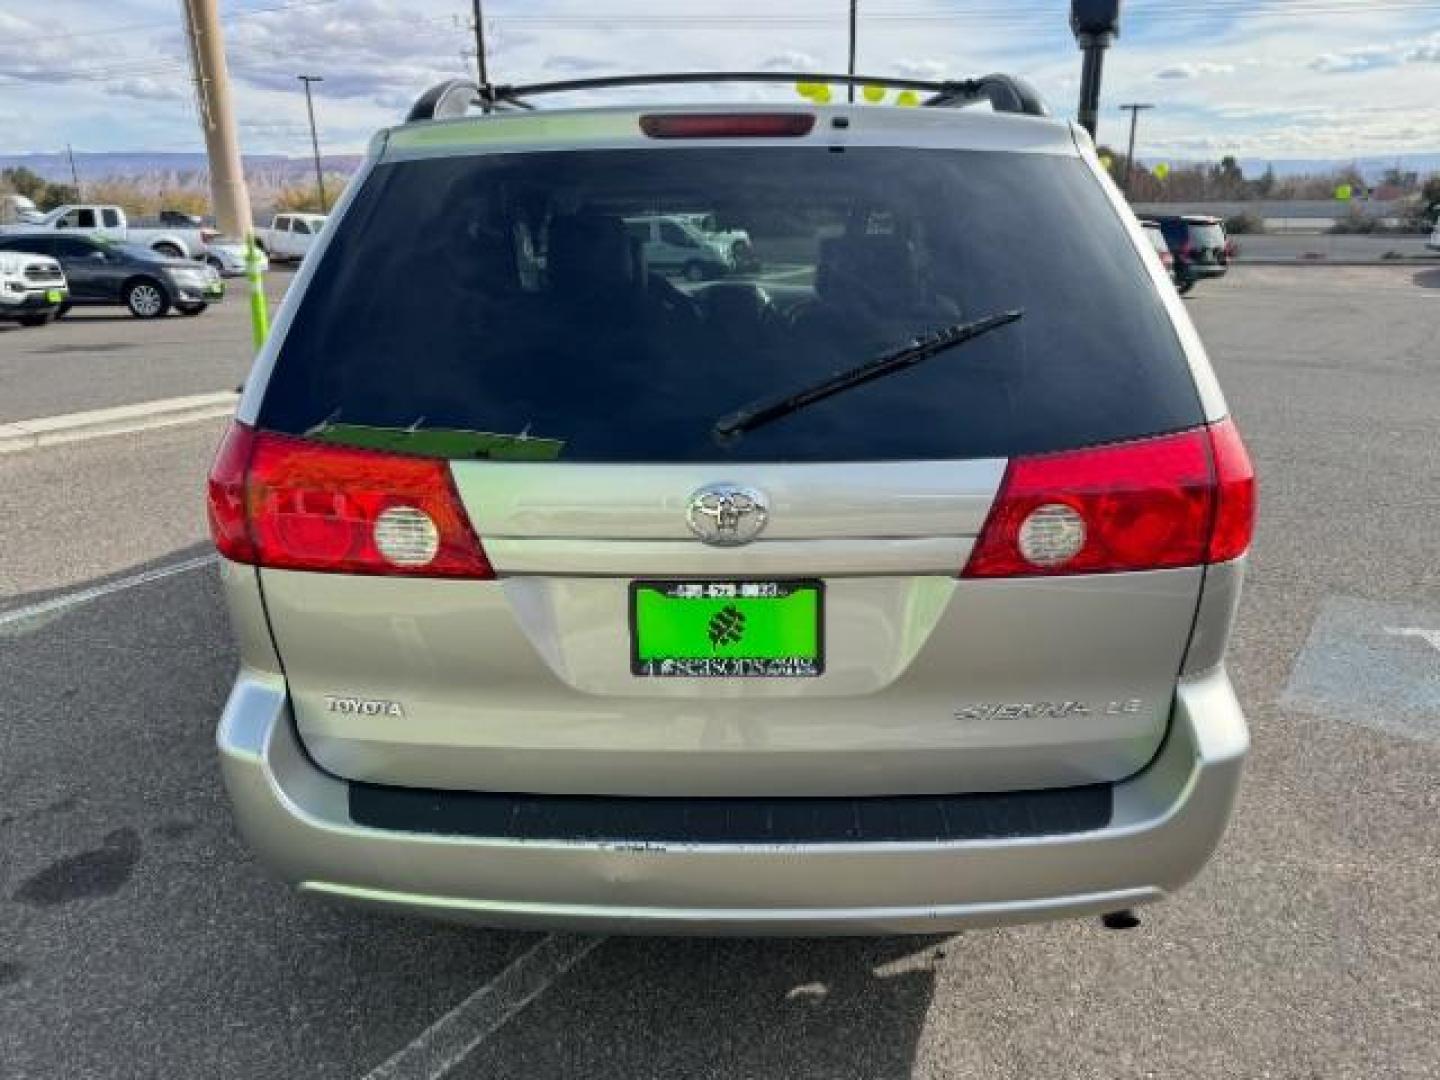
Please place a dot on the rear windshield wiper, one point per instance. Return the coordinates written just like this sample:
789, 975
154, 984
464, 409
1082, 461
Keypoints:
751, 416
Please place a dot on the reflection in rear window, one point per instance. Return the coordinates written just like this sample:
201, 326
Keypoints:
524, 296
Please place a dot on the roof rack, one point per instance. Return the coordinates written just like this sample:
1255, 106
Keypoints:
454, 98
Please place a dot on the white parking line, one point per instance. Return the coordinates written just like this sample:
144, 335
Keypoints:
448, 1041
95, 592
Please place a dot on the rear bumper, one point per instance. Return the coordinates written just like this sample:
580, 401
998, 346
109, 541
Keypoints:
1205, 270
31, 302
1166, 823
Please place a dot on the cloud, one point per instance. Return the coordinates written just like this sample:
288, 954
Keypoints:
923, 68
1193, 70
1370, 57
790, 60
146, 88
1364, 59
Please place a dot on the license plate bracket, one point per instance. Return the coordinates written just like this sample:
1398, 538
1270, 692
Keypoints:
750, 629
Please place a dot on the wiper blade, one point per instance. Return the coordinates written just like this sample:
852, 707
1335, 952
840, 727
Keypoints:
751, 416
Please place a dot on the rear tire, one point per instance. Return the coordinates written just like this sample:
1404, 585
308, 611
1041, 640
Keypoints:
63, 310
168, 249
1184, 287
146, 299
36, 320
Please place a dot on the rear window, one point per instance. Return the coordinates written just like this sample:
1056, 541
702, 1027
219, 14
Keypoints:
1207, 235
507, 306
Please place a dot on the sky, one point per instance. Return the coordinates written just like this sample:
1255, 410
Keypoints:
1255, 78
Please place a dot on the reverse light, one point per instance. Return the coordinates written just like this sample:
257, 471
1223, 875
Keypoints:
1171, 501
289, 503
727, 125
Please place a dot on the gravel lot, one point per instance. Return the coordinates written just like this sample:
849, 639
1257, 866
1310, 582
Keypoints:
138, 939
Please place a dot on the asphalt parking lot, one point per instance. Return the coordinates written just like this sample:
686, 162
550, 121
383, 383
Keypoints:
139, 939
96, 357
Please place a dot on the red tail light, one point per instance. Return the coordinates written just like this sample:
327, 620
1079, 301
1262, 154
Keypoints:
727, 125
1235, 492
292, 504
1176, 500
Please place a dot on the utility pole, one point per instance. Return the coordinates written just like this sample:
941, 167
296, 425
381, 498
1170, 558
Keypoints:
314, 139
481, 68
74, 173
217, 117
1135, 109
850, 87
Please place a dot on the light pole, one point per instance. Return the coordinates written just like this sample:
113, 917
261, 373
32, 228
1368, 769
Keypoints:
1135, 110
314, 139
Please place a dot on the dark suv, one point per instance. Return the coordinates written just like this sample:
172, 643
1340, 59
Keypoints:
1199, 245
105, 272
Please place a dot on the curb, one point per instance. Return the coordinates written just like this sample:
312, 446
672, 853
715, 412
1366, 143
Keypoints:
22, 435
1411, 261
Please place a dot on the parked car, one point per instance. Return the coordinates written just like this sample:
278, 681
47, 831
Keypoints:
676, 243
737, 241
32, 287
891, 596
1199, 245
105, 272
1434, 242
1156, 236
290, 236
228, 257
18, 210
110, 223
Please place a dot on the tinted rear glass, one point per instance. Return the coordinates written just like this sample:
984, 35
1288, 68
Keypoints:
1208, 236
513, 295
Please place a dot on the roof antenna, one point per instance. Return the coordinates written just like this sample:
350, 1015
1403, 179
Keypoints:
1096, 25
486, 90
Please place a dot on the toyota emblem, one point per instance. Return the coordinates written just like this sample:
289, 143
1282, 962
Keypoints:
726, 515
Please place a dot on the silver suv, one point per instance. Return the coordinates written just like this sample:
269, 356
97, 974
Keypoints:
883, 589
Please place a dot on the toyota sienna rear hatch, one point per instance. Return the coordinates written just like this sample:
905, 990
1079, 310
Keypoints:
530, 515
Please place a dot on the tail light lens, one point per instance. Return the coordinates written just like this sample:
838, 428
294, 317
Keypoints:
727, 125
1235, 494
292, 504
1153, 504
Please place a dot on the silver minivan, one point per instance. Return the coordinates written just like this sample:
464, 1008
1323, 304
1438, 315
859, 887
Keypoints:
884, 590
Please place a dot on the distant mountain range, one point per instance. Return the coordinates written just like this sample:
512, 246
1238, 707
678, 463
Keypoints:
179, 170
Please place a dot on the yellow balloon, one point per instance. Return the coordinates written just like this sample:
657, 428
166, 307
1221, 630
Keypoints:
873, 94
1162, 171
907, 97
808, 89
1108, 162
821, 95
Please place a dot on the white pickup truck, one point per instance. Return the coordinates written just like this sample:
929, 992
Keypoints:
290, 235
110, 223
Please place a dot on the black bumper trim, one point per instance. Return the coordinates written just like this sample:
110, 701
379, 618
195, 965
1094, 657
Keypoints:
758, 820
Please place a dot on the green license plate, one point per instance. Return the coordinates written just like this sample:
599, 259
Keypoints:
727, 629
54, 296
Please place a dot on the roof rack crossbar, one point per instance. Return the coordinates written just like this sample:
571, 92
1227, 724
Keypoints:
451, 99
